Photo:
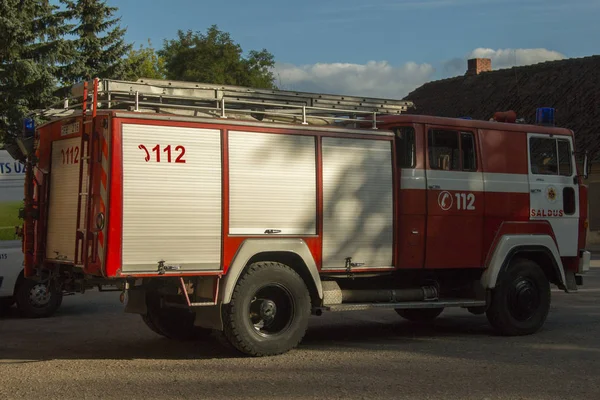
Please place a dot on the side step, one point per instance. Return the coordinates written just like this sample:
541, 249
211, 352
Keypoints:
403, 305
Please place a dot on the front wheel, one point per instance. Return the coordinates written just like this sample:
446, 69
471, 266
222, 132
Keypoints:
37, 299
269, 310
521, 300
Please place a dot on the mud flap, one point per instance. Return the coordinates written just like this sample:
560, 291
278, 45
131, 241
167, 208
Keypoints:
209, 317
571, 281
136, 301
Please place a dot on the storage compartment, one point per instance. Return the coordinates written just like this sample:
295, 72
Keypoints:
358, 214
273, 184
171, 198
62, 202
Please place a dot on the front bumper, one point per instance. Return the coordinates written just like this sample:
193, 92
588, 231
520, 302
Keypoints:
585, 258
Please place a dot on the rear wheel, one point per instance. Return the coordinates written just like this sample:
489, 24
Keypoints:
419, 314
269, 310
170, 322
37, 299
521, 300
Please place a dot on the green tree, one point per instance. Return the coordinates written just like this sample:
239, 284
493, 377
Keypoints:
215, 58
31, 49
99, 41
144, 63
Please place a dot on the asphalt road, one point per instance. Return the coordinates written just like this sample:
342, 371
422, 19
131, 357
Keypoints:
91, 349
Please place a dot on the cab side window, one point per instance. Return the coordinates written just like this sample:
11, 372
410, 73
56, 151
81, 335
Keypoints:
452, 150
467, 145
564, 157
550, 156
405, 146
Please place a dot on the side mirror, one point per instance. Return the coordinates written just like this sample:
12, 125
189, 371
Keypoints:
586, 166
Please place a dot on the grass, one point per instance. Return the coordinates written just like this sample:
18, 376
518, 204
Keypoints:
9, 218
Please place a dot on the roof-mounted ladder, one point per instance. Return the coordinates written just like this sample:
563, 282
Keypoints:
223, 101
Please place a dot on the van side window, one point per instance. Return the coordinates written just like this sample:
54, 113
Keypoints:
451, 150
405, 146
549, 156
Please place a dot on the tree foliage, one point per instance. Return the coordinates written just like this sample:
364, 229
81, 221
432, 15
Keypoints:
215, 58
32, 46
99, 41
144, 63
44, 45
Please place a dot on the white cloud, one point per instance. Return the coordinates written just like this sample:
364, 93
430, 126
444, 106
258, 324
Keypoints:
381, 79
375, 78
501, 58
506, 58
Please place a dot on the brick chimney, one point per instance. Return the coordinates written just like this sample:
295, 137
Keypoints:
479, 65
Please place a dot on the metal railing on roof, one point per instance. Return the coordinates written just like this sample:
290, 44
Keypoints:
225, 101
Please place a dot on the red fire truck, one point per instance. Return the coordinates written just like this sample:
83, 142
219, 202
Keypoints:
244, 211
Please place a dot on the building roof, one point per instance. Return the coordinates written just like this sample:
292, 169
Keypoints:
571, 86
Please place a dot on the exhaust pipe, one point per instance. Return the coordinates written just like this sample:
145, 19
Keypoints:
389, 295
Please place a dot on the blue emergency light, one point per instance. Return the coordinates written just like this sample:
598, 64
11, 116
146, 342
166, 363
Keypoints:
28, 127
544, 116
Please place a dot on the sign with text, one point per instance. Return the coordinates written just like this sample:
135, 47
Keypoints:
10, 170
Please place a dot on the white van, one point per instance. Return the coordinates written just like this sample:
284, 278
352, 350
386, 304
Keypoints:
33, 299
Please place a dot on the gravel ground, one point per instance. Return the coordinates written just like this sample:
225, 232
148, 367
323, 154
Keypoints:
91, 349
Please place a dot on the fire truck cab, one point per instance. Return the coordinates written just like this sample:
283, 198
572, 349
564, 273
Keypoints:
243, 211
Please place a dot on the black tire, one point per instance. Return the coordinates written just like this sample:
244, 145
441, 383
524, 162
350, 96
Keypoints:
5, 304
35, 300
172, 323
419, 314
269, 310
521, 300
148, 321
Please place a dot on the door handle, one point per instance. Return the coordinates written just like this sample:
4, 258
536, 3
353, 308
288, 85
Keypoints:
434, 186
536, 190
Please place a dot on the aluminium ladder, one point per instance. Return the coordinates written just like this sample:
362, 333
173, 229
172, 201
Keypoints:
226, 101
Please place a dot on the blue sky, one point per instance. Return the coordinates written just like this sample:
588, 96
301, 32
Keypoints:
378, 47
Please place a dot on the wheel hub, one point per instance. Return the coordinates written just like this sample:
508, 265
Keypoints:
524, 299
268, 310
271, 310
39, 295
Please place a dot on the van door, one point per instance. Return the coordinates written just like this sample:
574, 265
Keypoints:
455, 199
554, 193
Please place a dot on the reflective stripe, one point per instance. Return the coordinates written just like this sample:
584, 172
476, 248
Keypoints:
506, 183
413, 179
465, 181
455, 180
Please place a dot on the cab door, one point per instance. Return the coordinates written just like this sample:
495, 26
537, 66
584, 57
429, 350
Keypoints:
554, 193
455, 200
412, 196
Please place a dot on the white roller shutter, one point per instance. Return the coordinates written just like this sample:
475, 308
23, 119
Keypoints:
272, 181
62, 204
171, 210
358, 202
